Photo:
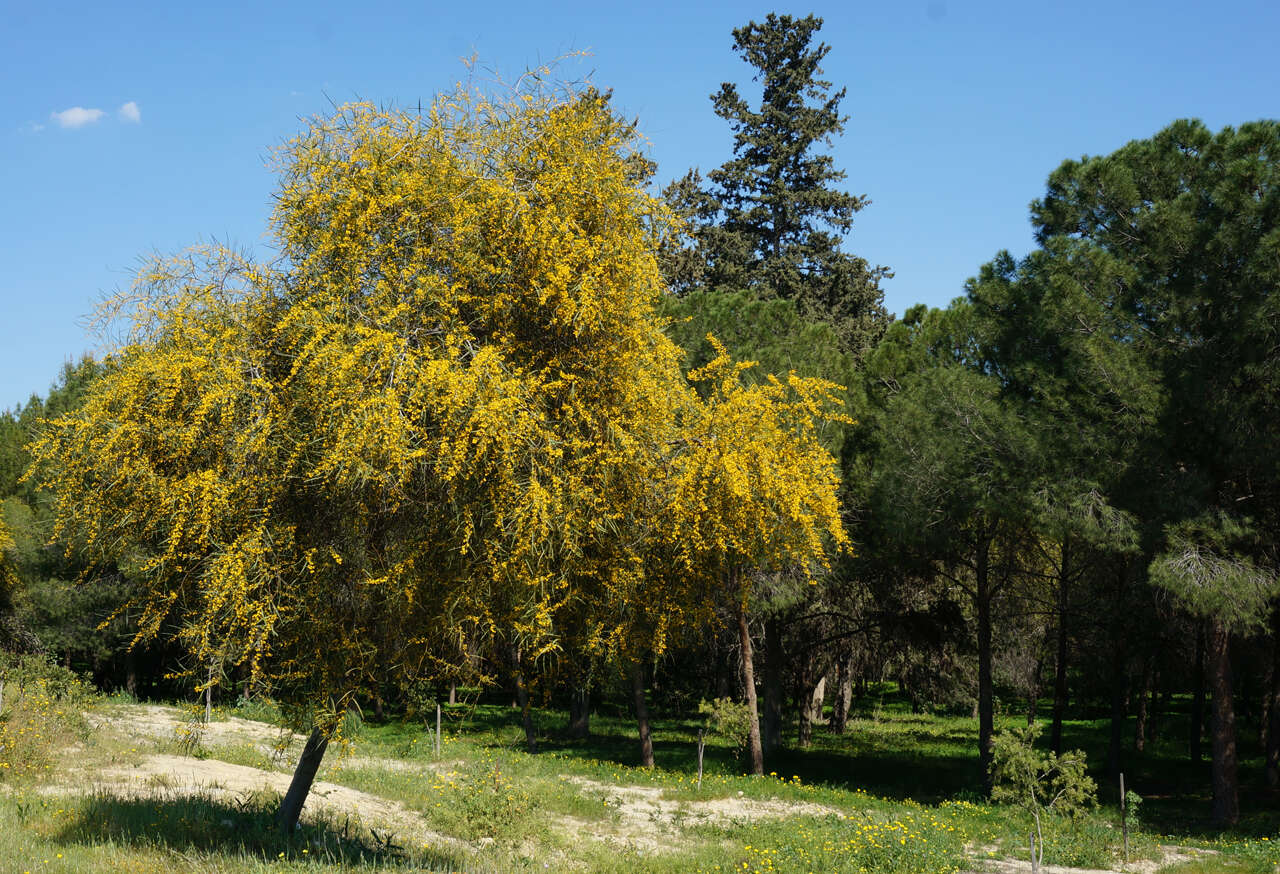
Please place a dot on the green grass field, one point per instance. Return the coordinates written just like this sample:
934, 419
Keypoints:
121, 790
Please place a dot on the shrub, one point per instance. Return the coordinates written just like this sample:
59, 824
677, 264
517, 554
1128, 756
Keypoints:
1042, 784
728, 719
40, 712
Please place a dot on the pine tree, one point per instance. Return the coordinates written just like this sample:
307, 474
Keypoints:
770, 220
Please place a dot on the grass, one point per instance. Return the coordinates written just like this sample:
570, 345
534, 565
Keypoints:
893, 794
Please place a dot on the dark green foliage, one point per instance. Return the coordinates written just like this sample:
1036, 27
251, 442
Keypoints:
770, 221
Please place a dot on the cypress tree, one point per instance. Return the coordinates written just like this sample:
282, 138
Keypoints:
770, 220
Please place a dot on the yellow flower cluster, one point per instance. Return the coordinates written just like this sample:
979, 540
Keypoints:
448, 412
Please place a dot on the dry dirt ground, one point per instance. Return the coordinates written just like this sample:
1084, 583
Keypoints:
643, 818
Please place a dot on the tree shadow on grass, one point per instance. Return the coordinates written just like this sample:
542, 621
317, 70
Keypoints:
242, 828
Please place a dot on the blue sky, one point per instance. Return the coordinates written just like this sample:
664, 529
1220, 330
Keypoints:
957, 111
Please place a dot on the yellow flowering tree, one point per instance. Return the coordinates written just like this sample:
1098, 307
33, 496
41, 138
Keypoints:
447, 415
756, 491
436, 413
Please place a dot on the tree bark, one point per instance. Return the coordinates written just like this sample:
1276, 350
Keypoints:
526, 710
812, 689
1119, 692
774, 668
642, 715
131, 671
1226, 802
986, 714
1196, 728
303, 776
1144, 698
844, 695
754, 748
580, 712
1060, 665
724, 670
1156, 709
1273, 720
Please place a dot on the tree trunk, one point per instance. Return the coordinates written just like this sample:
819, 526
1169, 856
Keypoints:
378, 712
526, 710
1144, 698
1156, 709
1033, 693
1119, 692
812, 689
724, 681
131, 671
303, 776
580, 712
754, 747
1060, 666
844, 695
1226, 802
774, 668
986, 714
1273, 721
1196, 728
642, 714
453, 693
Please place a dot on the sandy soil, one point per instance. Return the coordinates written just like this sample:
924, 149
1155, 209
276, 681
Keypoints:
641, 817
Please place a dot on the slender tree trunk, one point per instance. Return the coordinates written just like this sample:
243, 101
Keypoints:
1226, 802
754, 748
453, 693
1119, 693
986, 714
131, 671
526, 709
378, 712
1144, 698
844, 695
1060, 664
642, 714
724, 670
1119, 676
580, 712
774, 669
1273, 720
1264, 720
1033, 693
303, 776
812, 692
1196, 729
1155, 709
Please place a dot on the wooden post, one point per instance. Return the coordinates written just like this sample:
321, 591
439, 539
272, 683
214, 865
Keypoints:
1124, 818
701, 743
437, 730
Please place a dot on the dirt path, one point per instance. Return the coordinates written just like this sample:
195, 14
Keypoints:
1171, 856
639, 817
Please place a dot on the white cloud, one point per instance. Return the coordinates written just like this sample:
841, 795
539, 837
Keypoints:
31, 127
130, 112
76, 116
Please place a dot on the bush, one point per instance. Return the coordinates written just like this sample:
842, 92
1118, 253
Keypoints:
40, 712
1042, 784
728, 719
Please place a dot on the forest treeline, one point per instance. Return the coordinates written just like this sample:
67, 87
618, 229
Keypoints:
1058, 495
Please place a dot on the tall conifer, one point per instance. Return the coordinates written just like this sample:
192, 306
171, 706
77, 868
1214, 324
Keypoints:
770, 219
